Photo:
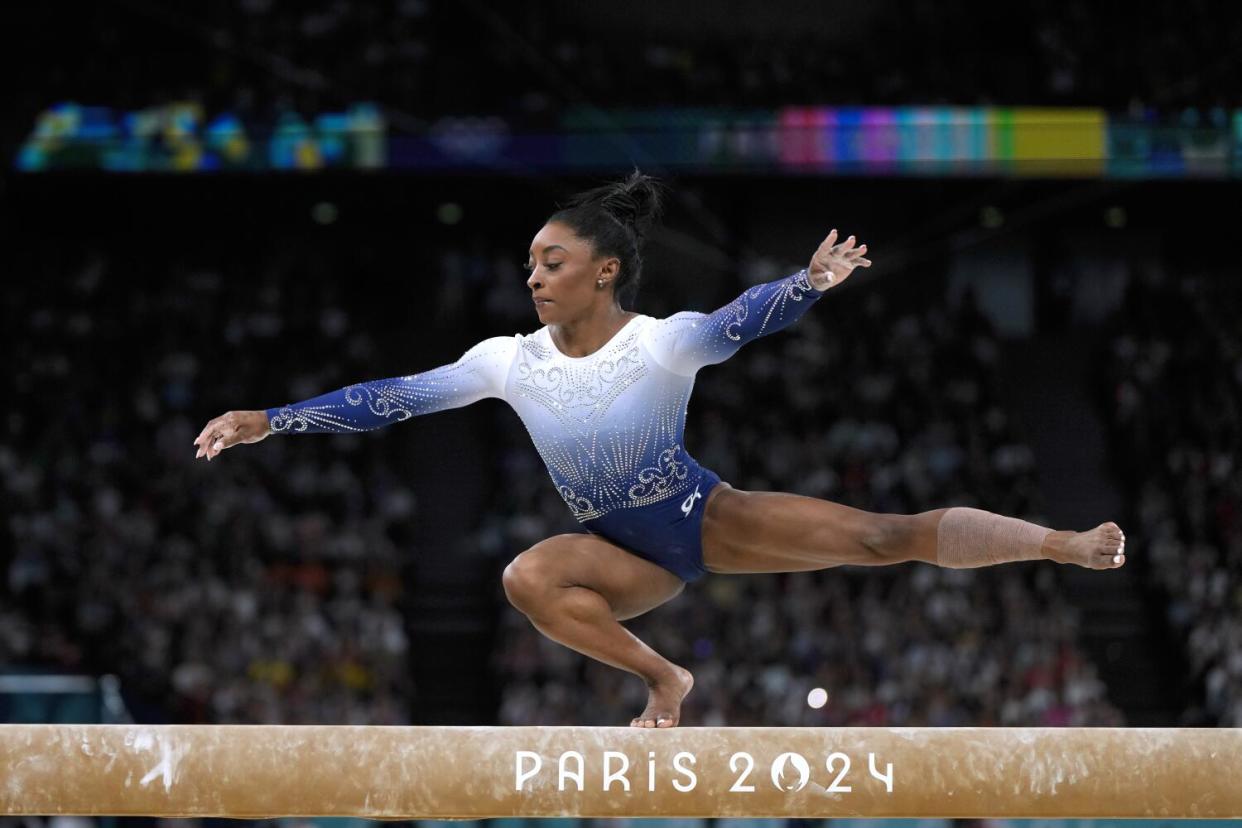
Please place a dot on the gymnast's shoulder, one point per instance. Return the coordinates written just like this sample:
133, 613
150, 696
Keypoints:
494, 349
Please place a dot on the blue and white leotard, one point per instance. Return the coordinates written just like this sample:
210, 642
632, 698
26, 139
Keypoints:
609, 425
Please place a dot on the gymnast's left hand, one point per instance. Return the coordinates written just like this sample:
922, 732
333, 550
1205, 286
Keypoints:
230, 429
832, 263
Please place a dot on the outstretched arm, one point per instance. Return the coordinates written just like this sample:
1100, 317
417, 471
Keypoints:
686, 341
479, 373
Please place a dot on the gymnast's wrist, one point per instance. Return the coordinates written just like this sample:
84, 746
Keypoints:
821, 284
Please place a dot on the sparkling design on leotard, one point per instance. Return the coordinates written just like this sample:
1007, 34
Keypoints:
568, 385
609, 426
369, 405
661, 478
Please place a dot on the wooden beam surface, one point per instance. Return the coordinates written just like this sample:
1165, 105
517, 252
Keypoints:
471, 772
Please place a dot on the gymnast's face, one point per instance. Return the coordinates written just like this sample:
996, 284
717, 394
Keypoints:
564, 271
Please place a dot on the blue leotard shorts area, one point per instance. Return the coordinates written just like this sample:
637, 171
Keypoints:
668, 533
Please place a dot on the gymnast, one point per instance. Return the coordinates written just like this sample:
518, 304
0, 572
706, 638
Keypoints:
603, 392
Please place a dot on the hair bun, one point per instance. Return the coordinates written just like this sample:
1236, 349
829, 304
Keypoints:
636, 202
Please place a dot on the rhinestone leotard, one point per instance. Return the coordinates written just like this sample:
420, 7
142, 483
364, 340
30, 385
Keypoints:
609, 425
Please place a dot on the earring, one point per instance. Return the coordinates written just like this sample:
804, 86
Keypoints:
600, 282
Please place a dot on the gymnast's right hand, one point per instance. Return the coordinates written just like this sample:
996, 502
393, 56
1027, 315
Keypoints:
229, 429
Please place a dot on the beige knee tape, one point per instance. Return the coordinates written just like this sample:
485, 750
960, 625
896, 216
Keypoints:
969, 537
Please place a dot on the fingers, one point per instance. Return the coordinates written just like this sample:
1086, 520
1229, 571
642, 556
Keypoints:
211, 445
215, 437
840, 258
207, 433
207, 429
845, 248
855, 256
846, 252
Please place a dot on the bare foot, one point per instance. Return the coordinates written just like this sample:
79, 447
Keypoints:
1103, 547
664, 700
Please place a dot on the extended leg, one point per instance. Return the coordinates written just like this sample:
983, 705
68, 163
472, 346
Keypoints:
576, 588
778, 532
968, 538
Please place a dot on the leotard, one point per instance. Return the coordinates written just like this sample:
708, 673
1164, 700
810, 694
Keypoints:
609, 426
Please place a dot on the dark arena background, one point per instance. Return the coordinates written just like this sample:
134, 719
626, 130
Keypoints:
242, 204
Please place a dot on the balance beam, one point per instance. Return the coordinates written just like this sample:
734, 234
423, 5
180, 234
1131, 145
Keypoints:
251, 771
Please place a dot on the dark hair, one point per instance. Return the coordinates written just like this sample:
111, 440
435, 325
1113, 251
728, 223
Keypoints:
615, 219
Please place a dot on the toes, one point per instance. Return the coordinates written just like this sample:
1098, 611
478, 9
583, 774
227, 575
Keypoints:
1111, 531
1113, 544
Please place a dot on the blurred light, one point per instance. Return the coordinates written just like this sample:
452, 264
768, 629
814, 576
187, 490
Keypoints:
991, 217
449, 212
817, 698
324, 212
1115, 217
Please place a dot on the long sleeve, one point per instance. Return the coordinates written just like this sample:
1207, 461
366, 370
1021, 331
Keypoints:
481, 372
686, 341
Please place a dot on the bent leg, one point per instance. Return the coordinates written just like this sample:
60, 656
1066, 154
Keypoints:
778, 532
576, 588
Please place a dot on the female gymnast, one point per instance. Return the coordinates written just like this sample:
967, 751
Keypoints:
603, 392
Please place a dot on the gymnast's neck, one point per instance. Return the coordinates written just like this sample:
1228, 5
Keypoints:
584, 336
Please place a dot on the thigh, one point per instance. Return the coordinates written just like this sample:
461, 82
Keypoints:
754, 532
631, 585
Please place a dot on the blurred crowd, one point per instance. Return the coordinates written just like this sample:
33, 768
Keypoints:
262, 590
269, 585
425, 59
1172, 388
883, 399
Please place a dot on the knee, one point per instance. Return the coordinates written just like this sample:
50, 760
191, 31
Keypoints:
523, 582
530, 579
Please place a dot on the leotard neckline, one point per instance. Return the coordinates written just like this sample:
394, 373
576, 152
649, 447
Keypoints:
598, 350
